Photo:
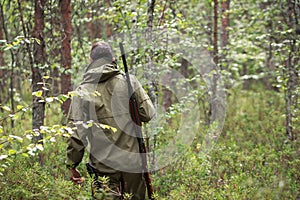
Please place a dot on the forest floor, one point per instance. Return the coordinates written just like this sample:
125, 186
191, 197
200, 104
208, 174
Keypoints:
252, 159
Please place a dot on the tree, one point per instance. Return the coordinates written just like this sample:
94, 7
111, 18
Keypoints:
215, 33
66, 51
11, 78
38, 108
149, 52
292, 67
225, 5
2, 70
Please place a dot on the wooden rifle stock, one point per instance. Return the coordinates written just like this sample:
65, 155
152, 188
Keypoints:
138, 126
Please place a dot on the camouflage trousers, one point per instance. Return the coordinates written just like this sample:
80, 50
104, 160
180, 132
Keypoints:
121, 185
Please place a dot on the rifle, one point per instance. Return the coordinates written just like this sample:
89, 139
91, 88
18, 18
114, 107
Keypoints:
138, 126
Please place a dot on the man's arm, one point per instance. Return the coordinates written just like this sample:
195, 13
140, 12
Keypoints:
75, 151
77, 141
145, 106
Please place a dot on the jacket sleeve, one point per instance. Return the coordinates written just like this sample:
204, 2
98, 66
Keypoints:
77, 118
75, 151
146, 108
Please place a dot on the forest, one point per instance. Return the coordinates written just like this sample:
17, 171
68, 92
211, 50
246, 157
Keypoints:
223, 76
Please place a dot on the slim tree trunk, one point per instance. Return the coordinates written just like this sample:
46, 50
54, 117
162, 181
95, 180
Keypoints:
11, 91
210, 25
66, 51
150, 67
288, 100
1, 52
215, 40
88, 25
152, 86
291, 65
38, 110
55, 28
224, 31
214, 80
269, 57
108, 27
225, 23
2, 72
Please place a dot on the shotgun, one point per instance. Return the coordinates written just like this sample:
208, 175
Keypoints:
138, 126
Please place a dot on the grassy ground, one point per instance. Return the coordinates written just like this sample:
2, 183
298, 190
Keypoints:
251, 160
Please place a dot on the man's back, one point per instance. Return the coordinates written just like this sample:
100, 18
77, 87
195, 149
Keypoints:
105, 100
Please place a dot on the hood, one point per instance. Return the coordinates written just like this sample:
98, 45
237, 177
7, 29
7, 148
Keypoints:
99, 71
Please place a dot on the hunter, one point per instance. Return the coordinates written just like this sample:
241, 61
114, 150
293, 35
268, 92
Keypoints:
100, 117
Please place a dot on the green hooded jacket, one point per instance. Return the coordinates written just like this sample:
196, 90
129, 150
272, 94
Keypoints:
101, 122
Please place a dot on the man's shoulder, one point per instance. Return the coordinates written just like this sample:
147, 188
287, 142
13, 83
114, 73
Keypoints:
83, 91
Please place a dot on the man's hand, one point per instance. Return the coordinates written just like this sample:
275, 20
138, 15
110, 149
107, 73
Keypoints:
75, 176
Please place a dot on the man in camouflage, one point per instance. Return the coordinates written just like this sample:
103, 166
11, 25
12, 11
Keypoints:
102, 124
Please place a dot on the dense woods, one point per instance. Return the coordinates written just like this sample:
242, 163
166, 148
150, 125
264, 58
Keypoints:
223, 75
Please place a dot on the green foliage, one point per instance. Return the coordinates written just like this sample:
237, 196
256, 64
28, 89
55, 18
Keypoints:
26, 179
251, 160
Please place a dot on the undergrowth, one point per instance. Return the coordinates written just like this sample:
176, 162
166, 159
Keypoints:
252, 159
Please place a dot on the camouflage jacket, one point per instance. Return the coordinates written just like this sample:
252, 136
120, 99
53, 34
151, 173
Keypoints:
101, 122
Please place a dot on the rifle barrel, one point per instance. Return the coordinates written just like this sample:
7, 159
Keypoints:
137, 124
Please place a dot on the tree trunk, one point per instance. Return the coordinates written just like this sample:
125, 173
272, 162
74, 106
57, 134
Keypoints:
214, 80
66, 51
149, 53
225, 23
88, 25
210, 25
108, 26
2, 73
150, 68
224, 31
291, 70
215, 41
55, 29
11, 75
38, 109
2, 63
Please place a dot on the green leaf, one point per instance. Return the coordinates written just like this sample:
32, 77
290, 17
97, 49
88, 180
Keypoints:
63, 97
19, 107
12, 152
37, 41
16, 137
8, 47
6, 108
104, 126
38, 93
25, 155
